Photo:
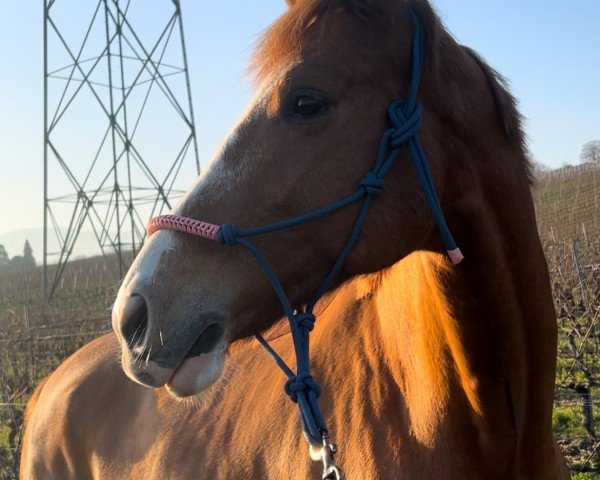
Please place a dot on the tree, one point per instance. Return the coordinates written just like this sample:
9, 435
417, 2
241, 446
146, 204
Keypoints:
16, 262
28, 258
4, 260
538, 169
590, 152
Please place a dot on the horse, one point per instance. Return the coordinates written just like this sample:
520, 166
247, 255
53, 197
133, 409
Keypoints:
429, 370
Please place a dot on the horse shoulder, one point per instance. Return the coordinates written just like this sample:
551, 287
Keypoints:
68, 418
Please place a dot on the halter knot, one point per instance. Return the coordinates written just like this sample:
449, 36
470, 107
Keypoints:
306, 320
372, 184
227, 234
301, 383
406, 122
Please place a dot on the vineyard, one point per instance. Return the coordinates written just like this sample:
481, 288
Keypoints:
567, 205
35, 339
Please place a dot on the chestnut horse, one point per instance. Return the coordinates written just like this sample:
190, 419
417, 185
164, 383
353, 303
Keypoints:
429, 370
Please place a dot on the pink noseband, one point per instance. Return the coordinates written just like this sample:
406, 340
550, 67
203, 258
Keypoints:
194, 227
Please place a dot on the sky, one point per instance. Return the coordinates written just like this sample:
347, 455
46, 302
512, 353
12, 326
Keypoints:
548, 49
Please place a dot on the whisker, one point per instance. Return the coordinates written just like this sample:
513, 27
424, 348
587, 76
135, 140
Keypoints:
148, 356
133, 337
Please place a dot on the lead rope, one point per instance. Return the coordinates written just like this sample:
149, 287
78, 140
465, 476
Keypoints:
301, 387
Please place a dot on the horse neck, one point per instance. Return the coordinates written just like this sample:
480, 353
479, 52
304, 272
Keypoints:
473, 344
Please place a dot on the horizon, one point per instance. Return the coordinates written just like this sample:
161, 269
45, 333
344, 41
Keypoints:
560, 117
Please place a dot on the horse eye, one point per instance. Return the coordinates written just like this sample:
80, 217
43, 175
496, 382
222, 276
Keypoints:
305, 106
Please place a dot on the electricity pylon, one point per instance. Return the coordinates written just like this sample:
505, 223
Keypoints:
119, 130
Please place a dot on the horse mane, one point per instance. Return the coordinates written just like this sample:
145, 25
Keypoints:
508, 115
280, 47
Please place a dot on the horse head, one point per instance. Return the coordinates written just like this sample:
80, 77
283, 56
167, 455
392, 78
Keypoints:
326, 72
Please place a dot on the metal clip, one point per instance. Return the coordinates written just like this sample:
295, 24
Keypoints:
333, 473
330, 470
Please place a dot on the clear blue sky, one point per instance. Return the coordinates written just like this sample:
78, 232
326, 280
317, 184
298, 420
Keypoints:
549, 50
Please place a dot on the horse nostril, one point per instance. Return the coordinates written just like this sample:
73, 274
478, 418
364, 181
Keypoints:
134, 321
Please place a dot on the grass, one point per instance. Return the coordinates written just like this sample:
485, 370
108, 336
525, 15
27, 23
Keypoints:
567, 422
586, 476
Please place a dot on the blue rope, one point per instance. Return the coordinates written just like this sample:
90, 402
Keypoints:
405, 117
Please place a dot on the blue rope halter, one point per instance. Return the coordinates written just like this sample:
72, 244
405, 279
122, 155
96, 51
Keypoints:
405, 117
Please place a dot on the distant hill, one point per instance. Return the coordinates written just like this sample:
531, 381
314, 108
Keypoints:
98, 272
567, 203
87, 245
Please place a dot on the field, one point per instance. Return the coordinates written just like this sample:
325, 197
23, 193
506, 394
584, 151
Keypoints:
567, 205
35, 338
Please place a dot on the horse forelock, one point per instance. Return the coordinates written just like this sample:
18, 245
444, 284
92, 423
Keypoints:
281, 44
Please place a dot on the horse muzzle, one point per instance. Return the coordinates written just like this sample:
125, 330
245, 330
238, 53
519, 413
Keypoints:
187, 354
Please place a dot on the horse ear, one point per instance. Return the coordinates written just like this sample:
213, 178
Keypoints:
290, 3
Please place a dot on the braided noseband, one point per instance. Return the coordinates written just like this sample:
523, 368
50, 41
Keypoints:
405, 118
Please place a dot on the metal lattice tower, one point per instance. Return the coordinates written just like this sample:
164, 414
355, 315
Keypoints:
119, 129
